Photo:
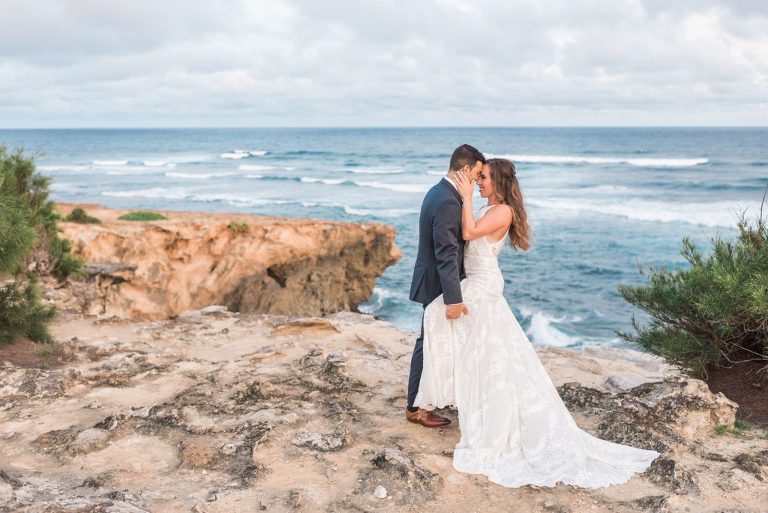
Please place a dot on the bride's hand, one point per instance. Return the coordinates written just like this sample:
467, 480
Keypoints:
463, 185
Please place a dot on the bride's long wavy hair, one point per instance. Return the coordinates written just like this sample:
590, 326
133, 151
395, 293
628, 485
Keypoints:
507, 190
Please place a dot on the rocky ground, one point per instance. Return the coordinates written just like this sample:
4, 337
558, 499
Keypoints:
221, 412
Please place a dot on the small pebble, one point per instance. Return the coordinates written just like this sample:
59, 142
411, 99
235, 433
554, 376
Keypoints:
380, 492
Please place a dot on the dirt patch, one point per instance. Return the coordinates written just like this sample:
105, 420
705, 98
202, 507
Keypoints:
743, 384
25, 353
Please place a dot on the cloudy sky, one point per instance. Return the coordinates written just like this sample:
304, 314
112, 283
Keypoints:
97, 63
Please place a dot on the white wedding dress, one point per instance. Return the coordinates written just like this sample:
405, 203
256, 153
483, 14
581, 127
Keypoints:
515, 429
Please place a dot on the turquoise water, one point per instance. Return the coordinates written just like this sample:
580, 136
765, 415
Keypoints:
600, 201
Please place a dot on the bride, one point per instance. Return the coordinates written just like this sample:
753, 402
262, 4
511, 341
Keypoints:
515, 429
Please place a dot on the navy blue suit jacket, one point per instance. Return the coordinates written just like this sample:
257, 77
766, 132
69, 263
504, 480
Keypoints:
440, 259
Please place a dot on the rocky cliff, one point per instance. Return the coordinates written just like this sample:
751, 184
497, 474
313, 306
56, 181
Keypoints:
157, 269
217, 412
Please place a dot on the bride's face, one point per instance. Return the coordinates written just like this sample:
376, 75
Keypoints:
484, 182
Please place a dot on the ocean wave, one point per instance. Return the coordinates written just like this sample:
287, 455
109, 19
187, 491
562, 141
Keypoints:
130, 170
110, 162
65, 167
181, 194
326, 181
242, 154
542, 331
197, 176
640, 162
715, 214
384, 212
154, 192
436, 173
158, 163
254, 167
605, 188
379, 299
398, 187
376, 170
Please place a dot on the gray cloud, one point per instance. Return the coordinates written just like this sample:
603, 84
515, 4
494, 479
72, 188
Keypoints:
454, 62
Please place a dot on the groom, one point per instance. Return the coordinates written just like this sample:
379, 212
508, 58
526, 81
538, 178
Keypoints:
440, 264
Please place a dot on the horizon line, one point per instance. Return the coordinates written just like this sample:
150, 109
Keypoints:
364, 127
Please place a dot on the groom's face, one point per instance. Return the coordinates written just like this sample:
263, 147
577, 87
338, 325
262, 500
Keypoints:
472, 172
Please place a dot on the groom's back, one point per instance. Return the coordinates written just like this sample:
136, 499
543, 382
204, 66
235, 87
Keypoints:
440, 200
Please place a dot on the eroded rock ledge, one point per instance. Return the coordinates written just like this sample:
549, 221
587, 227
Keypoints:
219, 412
157, 269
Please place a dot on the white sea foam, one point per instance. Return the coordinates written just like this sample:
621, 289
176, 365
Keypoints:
254, 167
377, 170
723, 213
605, 189
242, 154
326, 181
541, 330
63, 168
158, 163
182, 194
641, 162
383, 212
196, 176
110, 162
253, 176
398, 187
154, 192
376, 302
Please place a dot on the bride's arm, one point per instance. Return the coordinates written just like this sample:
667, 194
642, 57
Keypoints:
492, 221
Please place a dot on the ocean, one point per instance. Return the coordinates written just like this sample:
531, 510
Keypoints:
601, 201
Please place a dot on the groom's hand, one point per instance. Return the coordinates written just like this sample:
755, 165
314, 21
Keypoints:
456, 311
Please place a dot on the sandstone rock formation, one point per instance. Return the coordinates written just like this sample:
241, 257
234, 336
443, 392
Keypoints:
157, 269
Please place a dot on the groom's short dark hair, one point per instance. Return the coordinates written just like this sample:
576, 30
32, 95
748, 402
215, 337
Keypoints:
465, 155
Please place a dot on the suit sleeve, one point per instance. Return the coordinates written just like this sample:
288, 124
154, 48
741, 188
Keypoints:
445, 235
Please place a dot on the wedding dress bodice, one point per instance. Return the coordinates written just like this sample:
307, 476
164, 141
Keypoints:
481, 261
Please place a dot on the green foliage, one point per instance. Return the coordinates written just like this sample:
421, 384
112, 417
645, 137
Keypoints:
28, 234
712, 313
18, 237
239, 227
29, 189
78, 215
142, 215
22, 314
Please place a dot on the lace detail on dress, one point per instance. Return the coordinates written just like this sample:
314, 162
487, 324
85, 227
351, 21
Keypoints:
515, 429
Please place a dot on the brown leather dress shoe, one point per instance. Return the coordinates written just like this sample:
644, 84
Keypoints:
426, 418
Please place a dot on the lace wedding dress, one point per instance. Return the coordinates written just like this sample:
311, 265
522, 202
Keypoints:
515, 429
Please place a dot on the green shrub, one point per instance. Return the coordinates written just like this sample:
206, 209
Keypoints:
239, 227
28, 234
142, 215
29, 189
17, 237
21, 313
714, 312
78, 215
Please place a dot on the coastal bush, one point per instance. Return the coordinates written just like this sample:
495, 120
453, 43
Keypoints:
29, 189
141, 215
25, 221
239, 227
79, 215
713, 313
22, 314
18, 237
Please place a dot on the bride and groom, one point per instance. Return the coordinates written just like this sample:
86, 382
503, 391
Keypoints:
473, 354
